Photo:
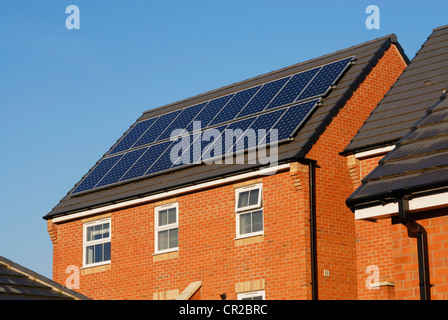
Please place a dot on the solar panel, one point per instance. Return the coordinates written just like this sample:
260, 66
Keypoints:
293, 88
283, 104
323, 81
121, 167
233, 132
212, 109
207, 143
157, 128
133, 135
232, 109
263, 97
146, 161
293, 118
97, 173
182, 121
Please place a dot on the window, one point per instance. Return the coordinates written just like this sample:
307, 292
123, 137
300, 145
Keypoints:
166, 233
254, 295
249, 211
97, 243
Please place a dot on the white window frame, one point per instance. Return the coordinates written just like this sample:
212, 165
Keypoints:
251, 294
94, 242
247, 209
249, 188
158, 228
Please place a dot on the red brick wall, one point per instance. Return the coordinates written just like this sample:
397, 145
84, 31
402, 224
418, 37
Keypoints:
337, 242
374, 242
406, 263
207, 249
389, 247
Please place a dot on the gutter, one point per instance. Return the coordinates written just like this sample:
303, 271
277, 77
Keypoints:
417, 231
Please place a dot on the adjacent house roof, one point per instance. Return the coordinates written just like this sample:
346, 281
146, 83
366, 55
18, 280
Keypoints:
365, 57
416, 90
20, 283
418, 117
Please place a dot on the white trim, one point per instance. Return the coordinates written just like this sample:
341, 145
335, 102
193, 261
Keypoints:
377, 211
424, 202
248, 209
373, 152
258, 186
86, 243
166, 194
251, 294
170, 226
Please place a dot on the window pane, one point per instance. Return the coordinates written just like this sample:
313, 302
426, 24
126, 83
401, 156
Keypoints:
163, 217
172, 215
173, 238
106, 230
97, 234
163, 240
98, 253
257, 221
107, 251
89, 233
253, 197
243, 198
245, 223
89, 254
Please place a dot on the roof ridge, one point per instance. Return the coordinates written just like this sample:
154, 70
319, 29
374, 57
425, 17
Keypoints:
440, 28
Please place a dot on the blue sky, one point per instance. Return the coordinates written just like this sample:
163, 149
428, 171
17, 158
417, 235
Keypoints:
67, 95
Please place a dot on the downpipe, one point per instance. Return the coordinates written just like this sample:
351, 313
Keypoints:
417, 231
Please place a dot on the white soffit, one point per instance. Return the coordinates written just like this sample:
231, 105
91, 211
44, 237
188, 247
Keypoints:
420, 203
373, 152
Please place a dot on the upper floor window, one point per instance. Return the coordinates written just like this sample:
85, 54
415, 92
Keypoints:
166, 230
97, 239
249, 211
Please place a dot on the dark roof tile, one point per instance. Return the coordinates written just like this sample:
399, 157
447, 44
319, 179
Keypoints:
20, 283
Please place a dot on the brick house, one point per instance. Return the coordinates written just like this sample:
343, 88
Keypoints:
398, 161
140, 226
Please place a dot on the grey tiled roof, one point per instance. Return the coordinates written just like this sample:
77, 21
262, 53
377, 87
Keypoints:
418, 163
20, 283
414, 114
417, 89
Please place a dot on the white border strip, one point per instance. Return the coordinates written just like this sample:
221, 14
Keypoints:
373, 152
261, 172
381, 212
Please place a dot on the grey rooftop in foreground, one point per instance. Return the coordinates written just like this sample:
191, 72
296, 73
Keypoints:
20, 283
413, 116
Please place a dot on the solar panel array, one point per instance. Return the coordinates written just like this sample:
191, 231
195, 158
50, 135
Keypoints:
282, 104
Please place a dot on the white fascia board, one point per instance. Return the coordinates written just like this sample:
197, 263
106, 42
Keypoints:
419, 203
158, 196
373, 152
377, 212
